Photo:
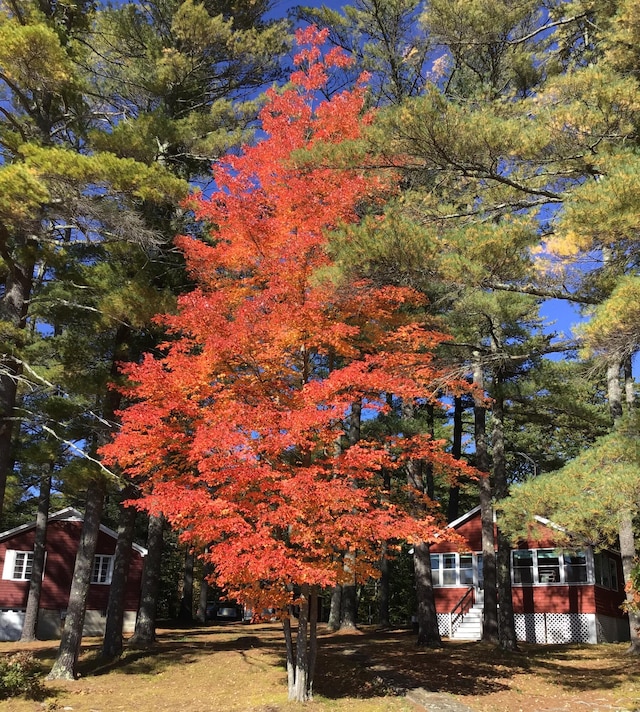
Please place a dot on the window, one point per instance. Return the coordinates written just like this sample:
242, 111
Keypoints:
17, 565
575, 567
102, 569
544, 566
435, 570
606, 571
548, 566
613, 574
455, 569
522, 561
466, 569
449, 570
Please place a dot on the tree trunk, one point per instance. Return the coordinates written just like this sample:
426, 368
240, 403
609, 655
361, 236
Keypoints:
383, 589
349, 608
614, 391
112, 642
420, 482
428, 632
506, 623
453, 507
64, 667
186, 602
65, 664
335, 608
13, 309
490, 610
313, 635
145, 632
626, 532
385, 581
30, 626
355, 421
201, 614
301, 661
628, 552
629, 385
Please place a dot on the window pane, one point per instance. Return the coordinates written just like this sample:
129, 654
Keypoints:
101, 568
575, 567
449, 561
18, 566
522, 566
606, 581
435, 569
466, 569
597, 567
613, 571
548, 566
23, 565
449, 574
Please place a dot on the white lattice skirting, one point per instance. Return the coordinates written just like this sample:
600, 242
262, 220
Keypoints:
558, 628
443, 624
570, 628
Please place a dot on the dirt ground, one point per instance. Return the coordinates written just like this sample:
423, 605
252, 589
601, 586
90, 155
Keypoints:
239, 668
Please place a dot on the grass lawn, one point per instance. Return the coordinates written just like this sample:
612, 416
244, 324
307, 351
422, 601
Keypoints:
239, 668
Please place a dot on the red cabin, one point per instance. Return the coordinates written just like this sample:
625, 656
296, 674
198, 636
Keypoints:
559, 596
63, 535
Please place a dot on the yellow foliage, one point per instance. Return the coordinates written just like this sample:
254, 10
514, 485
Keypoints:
32, 56
21, 192
615, 325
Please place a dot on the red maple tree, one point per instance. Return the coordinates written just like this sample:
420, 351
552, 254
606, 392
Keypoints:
234, 431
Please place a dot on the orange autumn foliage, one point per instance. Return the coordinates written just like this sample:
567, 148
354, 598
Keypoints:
233, 432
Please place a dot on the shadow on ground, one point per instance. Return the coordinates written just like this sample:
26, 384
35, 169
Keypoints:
389, 662
370, 663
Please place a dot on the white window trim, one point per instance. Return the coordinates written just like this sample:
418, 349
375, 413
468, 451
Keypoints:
10, 564
107, 582
562, 569
457, 584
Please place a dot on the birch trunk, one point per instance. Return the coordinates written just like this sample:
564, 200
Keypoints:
301, 661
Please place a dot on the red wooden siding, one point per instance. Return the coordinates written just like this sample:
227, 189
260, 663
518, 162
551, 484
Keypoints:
447, 598
538, 598
554, 599
62, 544
471, 531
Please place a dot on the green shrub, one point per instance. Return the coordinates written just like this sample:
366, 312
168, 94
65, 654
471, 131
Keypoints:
19, 675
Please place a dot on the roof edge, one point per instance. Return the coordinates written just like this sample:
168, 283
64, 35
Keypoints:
68, 514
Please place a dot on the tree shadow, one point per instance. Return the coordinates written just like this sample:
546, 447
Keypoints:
369, 663
177, 647
388, 662
579, 668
